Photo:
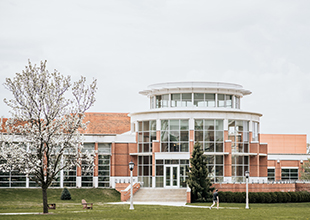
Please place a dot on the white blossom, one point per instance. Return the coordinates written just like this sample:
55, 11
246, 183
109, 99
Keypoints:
42, 136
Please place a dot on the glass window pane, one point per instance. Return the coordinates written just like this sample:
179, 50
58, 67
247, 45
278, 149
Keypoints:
199, 99
199, 136
209, 125
146, 125
219, 125
220, 100
175, 100
198, 124
219, 147
210, 100
174, 124
184, 124
229, 101
164, 125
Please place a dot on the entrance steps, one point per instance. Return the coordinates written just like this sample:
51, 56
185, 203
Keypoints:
160, 195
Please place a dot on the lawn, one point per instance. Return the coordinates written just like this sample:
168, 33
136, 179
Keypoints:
29, 200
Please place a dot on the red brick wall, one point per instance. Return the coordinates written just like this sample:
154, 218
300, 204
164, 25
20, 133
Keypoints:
255, 187
121, 158
303, 187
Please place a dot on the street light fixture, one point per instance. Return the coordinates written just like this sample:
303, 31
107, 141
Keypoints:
131, 166
247, 174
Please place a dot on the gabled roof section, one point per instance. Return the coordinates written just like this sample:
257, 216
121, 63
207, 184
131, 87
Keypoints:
107, 123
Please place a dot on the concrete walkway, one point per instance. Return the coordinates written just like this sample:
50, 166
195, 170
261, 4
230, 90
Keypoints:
179, 204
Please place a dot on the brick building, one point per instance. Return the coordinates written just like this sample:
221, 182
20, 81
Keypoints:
160, 141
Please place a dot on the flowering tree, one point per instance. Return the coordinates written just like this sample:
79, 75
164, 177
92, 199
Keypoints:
305, 170
43, 135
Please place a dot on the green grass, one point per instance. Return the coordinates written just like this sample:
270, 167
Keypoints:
30, 200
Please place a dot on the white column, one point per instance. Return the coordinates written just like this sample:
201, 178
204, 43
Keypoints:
78, 181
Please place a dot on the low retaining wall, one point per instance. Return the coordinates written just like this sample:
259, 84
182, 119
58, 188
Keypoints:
124, 189
302, 187
263, 187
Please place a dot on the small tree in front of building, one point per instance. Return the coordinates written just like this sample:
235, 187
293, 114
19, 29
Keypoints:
198, 180
305, 171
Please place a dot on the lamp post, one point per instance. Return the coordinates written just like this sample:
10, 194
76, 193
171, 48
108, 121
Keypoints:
131, 166
247, 174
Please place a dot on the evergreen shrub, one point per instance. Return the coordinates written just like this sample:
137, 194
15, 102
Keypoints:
268, 198
65, 195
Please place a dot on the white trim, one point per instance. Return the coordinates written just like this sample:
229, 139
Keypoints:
244, 154
172, 156
141, 154
216, 153
289, 167
95, 181
271, 167
288, 157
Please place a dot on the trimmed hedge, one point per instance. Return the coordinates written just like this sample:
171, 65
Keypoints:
265, 197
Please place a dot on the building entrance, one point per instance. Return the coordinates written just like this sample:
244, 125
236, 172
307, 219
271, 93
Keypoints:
171, 176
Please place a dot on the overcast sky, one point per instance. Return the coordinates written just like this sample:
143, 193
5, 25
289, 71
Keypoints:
128, 45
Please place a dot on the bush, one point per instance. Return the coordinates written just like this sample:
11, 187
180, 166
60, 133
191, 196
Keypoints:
294, 197
288, 197
252, 197
279, 197
238, 197
265, 197
268, 198
273, 197
261, 197
222, 196
230, 197
65, 195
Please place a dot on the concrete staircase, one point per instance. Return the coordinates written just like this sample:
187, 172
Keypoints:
160, 195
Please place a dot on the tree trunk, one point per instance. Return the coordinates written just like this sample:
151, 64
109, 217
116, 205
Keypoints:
44, 194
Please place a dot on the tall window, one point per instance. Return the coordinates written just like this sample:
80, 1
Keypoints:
103, 170
220, 100
145, 170
215, 165
174, 136
238, 133
176, 100
162, 101
237, 102
210, 133
271, 174
104, 150
146, 135
255, 131
290, 174
69, 176
239, 164
87, 174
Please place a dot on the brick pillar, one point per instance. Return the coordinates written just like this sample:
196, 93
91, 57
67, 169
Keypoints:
278, 170
155, 148
254, 160
227, 158
113, 159
96, 159
79, 174
191, 142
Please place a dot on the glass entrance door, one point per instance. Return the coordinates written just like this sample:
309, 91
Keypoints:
171, 176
